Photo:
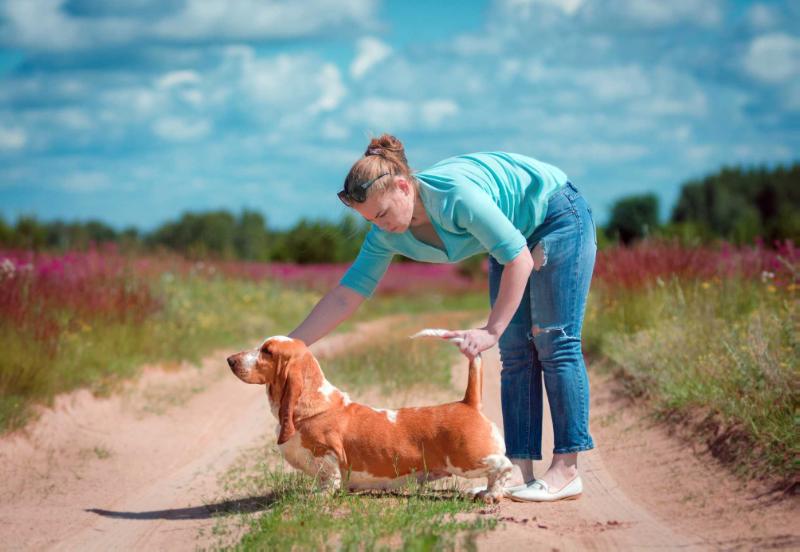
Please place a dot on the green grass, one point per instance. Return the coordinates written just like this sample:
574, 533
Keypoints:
430, 302
296, 516
393, 363
723, 355
291, 514
199, 315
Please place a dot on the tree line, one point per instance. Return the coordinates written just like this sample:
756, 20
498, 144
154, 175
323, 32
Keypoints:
734, 204
211, 234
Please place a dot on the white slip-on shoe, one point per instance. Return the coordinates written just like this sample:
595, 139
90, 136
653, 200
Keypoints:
539, 491
506, 490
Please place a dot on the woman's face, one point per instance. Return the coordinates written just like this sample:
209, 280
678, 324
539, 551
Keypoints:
391, 209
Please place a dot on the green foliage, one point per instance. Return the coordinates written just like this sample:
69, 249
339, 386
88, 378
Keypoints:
633, 218
725, 349
740, 205
96, 353
199, 235
212, 234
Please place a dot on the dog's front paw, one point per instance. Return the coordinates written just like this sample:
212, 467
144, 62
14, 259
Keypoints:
489, 497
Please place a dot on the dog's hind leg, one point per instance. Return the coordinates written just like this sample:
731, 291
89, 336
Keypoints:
499, 470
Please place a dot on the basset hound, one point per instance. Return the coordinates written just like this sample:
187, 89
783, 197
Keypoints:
343, 443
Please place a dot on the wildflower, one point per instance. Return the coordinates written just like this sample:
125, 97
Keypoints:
6, 269
766, 276
705, 285
772, 289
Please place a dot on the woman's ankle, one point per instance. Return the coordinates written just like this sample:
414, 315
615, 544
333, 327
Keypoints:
523, 470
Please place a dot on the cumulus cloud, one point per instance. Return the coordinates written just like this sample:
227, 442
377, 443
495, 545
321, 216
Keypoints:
49, 25
773, 58
369, 52
13, 138
762, 16
434, 112
174, 129
568, 7
331, 90
623, 92
85, 181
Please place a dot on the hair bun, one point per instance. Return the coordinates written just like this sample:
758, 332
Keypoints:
387, 146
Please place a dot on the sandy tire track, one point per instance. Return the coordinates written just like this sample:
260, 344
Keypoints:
643, 489
136, 470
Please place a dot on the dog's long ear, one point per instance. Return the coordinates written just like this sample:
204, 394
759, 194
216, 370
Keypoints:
288, 355
292, 388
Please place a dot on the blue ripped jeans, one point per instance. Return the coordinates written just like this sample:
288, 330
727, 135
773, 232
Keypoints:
553, 303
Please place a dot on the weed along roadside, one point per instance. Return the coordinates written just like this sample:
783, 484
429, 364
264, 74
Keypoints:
709, 341
388, 372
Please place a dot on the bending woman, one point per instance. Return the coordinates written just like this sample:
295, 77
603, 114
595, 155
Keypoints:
539, 233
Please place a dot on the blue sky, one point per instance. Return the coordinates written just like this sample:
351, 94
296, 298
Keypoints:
134, 111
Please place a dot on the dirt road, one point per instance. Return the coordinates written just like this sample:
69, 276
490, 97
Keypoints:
139, 470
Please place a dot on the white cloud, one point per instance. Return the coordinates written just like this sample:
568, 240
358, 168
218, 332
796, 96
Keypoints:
334, 131
45, 25
762, 16
568, 7
436, 111
658, 12
332, 90
606, 153
85, 182
257, 19
382, 114
615, 83
369, 52
12, 138
175, 129
773, 58
177, 78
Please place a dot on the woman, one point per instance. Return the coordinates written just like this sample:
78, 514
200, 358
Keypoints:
540, 236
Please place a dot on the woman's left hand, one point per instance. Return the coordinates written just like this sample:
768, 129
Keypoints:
474, 341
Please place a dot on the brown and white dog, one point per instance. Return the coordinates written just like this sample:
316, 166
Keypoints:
324, 434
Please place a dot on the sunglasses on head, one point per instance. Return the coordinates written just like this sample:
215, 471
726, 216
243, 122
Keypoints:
359, 192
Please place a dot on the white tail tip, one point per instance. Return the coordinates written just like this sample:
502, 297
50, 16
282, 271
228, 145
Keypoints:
436, 332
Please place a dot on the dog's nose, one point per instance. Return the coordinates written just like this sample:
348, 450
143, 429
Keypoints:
232, 361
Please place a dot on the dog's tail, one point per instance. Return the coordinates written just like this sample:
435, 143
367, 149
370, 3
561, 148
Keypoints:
472, 396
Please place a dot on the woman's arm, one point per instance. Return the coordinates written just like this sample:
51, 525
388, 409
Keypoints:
512, 286
336, 306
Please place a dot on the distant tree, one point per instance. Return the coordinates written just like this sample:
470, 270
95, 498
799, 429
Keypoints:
742, 204
199, 235
29, 234
633, 218
6, 233
311, 242
251, 240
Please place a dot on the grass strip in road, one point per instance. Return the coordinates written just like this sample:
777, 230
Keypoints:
291, 514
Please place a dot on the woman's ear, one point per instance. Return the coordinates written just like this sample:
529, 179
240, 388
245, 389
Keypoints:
402, 184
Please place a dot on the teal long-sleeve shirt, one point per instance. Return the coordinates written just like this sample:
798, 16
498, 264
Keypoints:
479, 202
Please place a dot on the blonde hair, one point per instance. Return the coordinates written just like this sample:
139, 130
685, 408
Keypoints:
384, 154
